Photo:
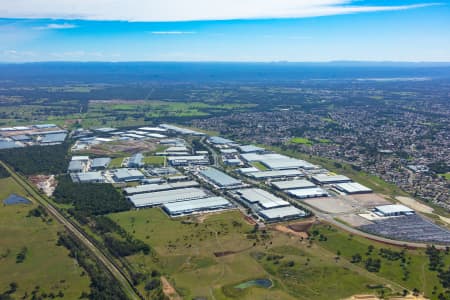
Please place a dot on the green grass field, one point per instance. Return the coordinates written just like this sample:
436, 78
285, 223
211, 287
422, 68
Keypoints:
417, 261
154, 160
300, 140
116, 163
446, 176
259, 166
46, 265
185, 255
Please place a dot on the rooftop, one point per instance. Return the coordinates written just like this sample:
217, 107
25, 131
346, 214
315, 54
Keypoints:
293, 184
219, 178
261, 197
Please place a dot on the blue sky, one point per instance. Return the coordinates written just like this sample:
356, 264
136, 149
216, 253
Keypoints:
216, 30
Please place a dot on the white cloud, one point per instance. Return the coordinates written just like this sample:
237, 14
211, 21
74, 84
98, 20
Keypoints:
186, 10
172, 32
56, 26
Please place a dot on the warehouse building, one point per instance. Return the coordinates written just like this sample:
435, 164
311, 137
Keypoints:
81, 158
261, 198
163, 171
393, 210
148, 188
275, 161
219, 178
4, 144
232, 162
136, 161
164, 197
220, 141
88, 177
180, 130
251, 149
76, 166
100, 163
330, 179
293, 184
188, 160
44, 126
308, 193
275, 174
155, 129
199, 205
127, 175
352, 188
248, 170
281, 214
53, 139
21, 138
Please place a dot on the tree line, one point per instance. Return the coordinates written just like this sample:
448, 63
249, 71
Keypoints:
37, 159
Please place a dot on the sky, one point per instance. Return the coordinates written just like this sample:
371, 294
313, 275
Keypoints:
224, 30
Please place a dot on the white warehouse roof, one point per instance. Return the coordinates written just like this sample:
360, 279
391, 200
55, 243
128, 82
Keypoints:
308, 192
352, 188
392, 209
262, 198
275, 174
146, 188
163, 197
219, 178
327, 179
281, 213
293, 184
190, 206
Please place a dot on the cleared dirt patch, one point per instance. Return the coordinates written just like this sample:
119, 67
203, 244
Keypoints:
287, 230
331, 204
169, 290
45, 183
368, 200
123, 147
301, 226
414, 204
354, 220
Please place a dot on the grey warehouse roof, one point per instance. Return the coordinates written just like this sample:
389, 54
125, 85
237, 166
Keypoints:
353, 187
219, 140
308, 192
75, 165
325, 178
219, 178
9, 145
185, 207
90, 177
281, 212
275, 173
261, 197
123, 174
250, 148
102, 162
54, 138
293, 184
393, 208
163, 197
159, 187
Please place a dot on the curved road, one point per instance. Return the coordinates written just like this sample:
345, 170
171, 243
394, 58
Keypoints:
110, 266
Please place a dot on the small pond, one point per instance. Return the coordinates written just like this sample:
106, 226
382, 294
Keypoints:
264, 283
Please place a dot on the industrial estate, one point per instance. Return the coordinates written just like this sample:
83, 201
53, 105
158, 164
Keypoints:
189, 176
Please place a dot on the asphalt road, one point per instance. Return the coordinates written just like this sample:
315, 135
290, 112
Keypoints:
108, 264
